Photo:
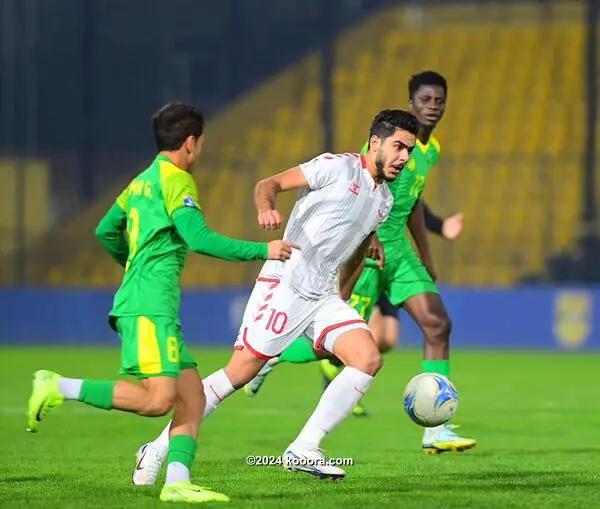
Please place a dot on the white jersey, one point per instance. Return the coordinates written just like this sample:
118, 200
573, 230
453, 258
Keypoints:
329, 221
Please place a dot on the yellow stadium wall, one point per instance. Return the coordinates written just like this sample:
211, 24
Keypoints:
34, 202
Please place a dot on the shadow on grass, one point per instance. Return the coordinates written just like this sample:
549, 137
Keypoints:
26, 478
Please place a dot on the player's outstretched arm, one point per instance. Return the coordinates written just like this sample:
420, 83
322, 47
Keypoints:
110, 233
181, 203
350, 271
266, 191
416, 226
192, 228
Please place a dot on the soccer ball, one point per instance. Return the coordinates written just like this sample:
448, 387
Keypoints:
430, 399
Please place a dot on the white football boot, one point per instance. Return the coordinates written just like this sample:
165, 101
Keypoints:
302, 459
443, 439
148, 462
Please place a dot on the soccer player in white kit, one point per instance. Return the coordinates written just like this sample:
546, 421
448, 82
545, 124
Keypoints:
342, 201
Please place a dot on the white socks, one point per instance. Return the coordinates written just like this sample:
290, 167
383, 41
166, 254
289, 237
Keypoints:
177, 472
337, 402
216, 388
162, 441
70, 387
431, 434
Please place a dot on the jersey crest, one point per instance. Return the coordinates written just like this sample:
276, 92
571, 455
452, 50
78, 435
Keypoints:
188, 201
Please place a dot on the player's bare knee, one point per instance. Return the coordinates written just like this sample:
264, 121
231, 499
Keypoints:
368, 361
358, 349
371, 363
437, 328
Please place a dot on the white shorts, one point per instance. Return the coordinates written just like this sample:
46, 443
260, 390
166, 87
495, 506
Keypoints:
276, 316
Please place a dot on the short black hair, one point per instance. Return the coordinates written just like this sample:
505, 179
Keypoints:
388, 121
426, 78
174, 123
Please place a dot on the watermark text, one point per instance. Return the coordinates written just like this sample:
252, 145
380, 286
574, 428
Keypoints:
294, 461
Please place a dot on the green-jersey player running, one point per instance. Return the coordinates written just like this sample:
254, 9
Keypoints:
148, 231
406, 279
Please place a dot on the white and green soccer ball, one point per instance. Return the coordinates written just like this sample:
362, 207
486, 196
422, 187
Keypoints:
430, 399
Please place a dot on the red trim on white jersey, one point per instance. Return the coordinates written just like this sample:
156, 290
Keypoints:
252, 350
363, 164
268, 280
327, 330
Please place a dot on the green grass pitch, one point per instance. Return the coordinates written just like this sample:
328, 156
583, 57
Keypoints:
536, 417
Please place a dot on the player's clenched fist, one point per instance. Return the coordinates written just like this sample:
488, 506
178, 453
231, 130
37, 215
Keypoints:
281, 249
269, 219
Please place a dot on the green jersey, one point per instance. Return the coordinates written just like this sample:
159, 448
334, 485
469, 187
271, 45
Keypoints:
157, 253
407, 190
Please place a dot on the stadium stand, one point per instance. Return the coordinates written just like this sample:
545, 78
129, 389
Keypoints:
512, 139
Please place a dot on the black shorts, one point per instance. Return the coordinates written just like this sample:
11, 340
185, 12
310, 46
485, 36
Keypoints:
386, 307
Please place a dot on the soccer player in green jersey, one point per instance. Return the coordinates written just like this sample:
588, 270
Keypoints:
406, 279
385, 322
148, 231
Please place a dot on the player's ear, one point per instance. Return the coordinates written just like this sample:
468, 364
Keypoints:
374, 143
190, 144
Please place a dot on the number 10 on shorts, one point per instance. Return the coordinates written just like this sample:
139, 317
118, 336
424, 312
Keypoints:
277, 321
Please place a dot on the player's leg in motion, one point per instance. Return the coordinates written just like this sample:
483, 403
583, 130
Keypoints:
428, 311
356, 348
183, 434
365, 295
299, 352
412, 287
385, 325
152, 353
242, 367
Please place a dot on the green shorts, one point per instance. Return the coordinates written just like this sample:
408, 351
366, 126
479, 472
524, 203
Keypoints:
152, 346
400, 279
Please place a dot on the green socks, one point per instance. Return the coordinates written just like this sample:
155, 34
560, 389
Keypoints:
182, 449
440, 367
299, 352
98, 393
